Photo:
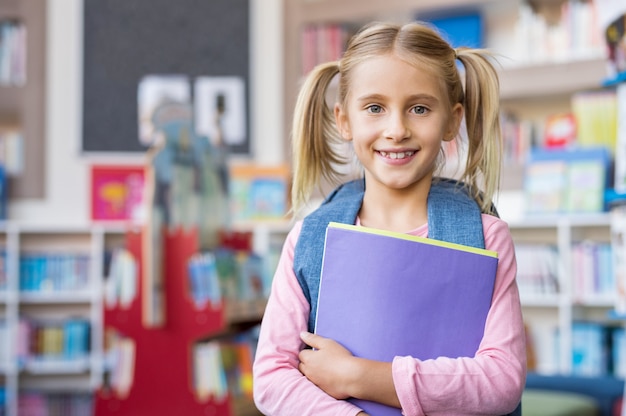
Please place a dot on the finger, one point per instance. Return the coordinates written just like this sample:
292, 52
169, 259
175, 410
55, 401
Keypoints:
310, 339
302, 355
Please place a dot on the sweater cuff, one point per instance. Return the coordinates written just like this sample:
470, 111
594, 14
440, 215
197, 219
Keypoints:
404, 384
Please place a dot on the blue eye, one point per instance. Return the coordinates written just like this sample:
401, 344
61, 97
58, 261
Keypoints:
420, 110
374, 108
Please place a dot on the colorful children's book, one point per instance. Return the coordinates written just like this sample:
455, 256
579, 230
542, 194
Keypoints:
385, 294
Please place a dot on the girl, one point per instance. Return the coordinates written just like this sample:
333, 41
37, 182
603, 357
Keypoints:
400, 96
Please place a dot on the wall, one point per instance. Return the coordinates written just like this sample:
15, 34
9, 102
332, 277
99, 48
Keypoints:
67, 169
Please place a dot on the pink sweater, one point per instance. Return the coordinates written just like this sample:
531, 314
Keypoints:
491, 383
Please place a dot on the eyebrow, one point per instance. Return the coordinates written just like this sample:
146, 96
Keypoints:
414, 97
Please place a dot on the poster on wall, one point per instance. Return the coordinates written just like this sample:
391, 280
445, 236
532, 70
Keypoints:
154, 91
220, 109
117, 193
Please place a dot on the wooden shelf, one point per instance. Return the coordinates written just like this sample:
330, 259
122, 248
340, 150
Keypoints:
550, 79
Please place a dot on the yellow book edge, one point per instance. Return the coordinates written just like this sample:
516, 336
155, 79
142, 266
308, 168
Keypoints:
410, 237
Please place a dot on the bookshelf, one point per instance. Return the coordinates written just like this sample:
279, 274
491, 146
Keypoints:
533, 87
54, 369
196, 352
22, 101
548, 313
73, 381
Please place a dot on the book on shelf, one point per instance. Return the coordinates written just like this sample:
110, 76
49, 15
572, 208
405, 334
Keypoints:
596, 118
460, 28
537, 269
3, 270
595, 349
12, 53
242, 274
204, 281
619, 352
380, 292
618, 244
31, 402
4, 345
209, 377
11, 152
592, 270
4, 192
543, 339
258, 193
51, 340
119, 362
620, 148
518, 137
223, 368
323, 42
53, 272
571, 180
121, 286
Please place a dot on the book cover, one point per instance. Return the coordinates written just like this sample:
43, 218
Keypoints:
385, 294
566, 180
117, 192
258, 193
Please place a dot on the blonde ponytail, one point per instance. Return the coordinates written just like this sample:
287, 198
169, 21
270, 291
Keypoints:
313, 133
482, 118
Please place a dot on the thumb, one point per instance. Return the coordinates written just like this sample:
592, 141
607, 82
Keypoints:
312, 340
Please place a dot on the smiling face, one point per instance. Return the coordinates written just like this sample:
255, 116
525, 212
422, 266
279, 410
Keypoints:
397, 114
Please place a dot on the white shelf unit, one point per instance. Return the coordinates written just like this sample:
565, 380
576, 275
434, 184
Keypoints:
58, 375
546, 314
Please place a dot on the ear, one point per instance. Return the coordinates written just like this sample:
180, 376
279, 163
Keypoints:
455, 122
343, 125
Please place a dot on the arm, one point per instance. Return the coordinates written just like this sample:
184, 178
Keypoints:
279, 387
489, 383
336, 371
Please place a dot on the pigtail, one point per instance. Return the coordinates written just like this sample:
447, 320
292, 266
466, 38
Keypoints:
314, 131
482, 118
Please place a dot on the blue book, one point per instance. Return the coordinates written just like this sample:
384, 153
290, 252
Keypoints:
385, 294
3, 193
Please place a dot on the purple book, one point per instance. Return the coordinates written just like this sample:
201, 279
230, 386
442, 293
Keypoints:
385, 294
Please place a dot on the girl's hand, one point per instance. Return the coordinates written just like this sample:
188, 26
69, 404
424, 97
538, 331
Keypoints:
330, 366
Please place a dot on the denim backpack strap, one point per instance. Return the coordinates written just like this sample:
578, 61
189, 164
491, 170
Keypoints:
343, 206
447, 200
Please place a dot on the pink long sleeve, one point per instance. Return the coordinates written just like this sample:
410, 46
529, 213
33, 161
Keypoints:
279, 387
490, 383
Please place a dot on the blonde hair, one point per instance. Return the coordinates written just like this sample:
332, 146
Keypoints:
314, 131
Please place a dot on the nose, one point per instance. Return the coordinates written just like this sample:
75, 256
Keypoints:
397, 129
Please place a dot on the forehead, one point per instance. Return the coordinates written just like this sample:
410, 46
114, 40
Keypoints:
379, 74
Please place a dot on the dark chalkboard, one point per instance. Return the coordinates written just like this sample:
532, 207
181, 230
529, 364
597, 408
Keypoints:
125, 40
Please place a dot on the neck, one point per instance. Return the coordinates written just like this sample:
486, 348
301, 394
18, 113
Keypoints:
399, 210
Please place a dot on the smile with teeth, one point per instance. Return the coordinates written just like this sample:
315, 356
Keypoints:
397, 155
